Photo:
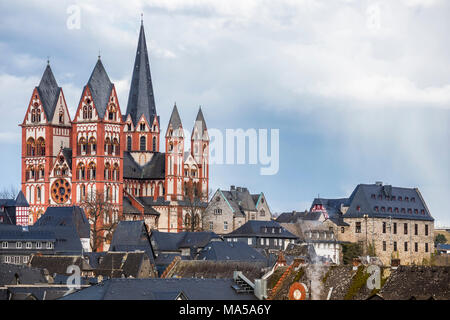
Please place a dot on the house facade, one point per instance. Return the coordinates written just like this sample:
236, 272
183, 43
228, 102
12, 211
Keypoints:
389, 222
228, 210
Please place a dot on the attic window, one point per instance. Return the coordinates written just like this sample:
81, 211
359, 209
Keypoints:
396, 210
422, 211
390, 209
406, 199
373, 196
129, 126
403, 210
358, 208
409, 210
416, 211
383, 209
413, 199
393, 198
376, 208
400, 199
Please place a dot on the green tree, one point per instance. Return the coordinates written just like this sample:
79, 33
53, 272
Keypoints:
440, 238
350, 251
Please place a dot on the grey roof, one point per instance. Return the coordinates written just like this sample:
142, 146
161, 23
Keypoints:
254, 228
9, 273
73, 216
122, 264
100, 87
230, 251
10, 232
67, 153
200, 124
58, 264
48, 92
132, 236
153, 170
155, 289
141, 100
443, 246
385, 198
21, 201
175, 120
240, 200
170, 241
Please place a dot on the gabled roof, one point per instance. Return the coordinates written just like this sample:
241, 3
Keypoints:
157, 288
72, 217
200, 124
254, 228
21, 201
48, 92
240, 200
58, 264
67, 153
26, 274
230, 251
131, 236
172, 242
100, 87
154, 169
124, 264
141, 100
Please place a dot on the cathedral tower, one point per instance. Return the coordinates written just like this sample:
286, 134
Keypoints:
46, 131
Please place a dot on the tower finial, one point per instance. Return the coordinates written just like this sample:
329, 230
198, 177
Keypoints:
142, 18
99, 54
48, 60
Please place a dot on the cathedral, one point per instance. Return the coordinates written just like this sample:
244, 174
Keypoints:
102, 151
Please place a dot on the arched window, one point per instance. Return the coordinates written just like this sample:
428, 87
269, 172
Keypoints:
38, 115
142, 143
61, 116
107, 145
38, 194
40, 147
142, 126
92, 145
112, 112
154, 144
64, 170
83, 192
82, 145
107, 171
116, 172
85, 112
33, 115
129, 143
116, 147
81, 172
30, 147
171, 146
90, 112
30, 174
92, 169
41, 171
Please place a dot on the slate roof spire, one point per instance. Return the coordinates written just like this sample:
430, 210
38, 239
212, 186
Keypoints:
48, 92
141, 100
100, 87
175, 119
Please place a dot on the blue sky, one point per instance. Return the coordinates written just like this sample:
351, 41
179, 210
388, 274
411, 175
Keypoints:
360, 90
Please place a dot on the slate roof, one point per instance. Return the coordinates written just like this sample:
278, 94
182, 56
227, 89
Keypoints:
240, 200
73, 216
21, 201
121, 264
153, 170
200, 124
158, 289
255, 228
173, 242
294, 216
175, 120
58, 264
17, 233
67, 153
26, 274
369, 197
48, 92
443, 246
41, 292
132, 236
216, 269
141, 100
230, 251
100, 87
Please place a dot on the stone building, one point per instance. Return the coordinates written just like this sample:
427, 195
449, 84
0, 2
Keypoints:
390, 222
228, 210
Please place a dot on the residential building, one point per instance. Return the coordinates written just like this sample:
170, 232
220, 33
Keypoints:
230, 251
262, 235
228, 210
15, 211
390, 222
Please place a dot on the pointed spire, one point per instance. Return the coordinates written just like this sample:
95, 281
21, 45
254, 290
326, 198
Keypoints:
141, 100
200, 124
100, 87
48, 91
175, 119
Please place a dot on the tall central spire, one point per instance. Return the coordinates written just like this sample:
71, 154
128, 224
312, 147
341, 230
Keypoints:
141, 100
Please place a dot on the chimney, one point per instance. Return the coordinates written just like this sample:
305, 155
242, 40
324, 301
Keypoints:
239, 189
356, 263
232, 188
379, 183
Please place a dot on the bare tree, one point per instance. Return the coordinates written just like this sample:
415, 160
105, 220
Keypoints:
10, 192
196, 202
100, 213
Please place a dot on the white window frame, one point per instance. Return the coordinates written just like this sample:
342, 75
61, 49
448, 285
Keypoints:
19, 245
49, 245
250, 242
29, 245
225, 225
5, 245
38, 245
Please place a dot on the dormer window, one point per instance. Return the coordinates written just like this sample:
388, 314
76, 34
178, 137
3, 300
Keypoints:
400, 199
376, 209
373, 196
61, 117
413, 199
129, 126
406, 199
358, 208
142, 126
